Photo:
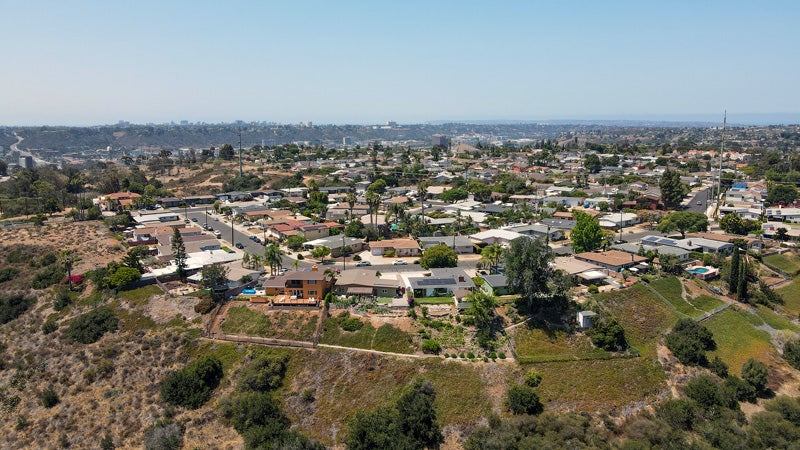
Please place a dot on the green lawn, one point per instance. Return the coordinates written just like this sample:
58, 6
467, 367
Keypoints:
279, 325
671, 289
787, 262
433, 300
643, 315
537, 345
791, 298
737, 338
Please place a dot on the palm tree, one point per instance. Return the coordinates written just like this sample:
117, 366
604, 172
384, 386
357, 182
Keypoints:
397, 210
373, 201
273, 256
296, 263
351, 202
68, 259
492, 253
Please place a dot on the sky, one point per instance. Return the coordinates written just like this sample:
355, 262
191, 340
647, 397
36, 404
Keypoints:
98, 62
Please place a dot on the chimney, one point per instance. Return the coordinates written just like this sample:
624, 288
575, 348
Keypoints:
314, 268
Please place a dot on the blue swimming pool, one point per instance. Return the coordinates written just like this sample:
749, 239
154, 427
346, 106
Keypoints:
698, 270
248, 291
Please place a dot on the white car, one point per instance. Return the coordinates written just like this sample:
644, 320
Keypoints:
399, 262
363, 263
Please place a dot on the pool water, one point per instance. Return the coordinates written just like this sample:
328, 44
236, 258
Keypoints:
698, 270
248, 291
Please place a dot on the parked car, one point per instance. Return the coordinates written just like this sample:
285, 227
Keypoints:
239, 245
363, 263
282, 271
217, 233
185, 220
194, 219
399, 262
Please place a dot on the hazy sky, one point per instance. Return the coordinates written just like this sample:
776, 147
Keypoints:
85, 62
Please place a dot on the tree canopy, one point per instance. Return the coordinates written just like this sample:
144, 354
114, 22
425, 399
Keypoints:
672, 189
587, 235
683, 222
530, 274
781, 194
438, 256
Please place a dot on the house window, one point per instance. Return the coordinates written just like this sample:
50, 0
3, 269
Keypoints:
312, 281
312, 292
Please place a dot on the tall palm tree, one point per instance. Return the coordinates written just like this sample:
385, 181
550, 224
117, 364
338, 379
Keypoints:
273, 256
351, 202
396, 210
373, 201
68, 259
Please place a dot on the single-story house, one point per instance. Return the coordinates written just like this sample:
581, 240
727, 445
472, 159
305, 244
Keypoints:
495, 284
496, 236
441, 282
401, 247
364, 283
538, 230
612, 259
336, 243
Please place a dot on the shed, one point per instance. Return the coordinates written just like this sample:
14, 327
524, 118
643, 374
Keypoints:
585, 319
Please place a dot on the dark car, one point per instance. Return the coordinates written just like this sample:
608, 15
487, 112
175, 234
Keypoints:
239, 245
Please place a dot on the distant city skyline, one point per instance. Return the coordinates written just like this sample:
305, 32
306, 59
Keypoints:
95, 63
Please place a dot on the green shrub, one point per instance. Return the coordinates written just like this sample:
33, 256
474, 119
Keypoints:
49, 398
430, 346
90, 327
501, 355
533, 379
608, 335
470, 355
521, 399
689, 341
265, 373
47, 277
754, 373
356, 258
791, 353
193, 385
351, 324
204, 306
14, 306
49, 326
63, 299
593, 289
8, 274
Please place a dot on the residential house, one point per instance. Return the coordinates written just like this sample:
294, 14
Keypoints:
441, 282
401, 247
336, 244
299, 287
342, 211
619, 220
461, 244
538, 231
364, 283
118, 201
234, 196
612, 259
494, 284
495, 236
783, 214
581, 271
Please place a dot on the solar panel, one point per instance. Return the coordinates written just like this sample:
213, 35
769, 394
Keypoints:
435, 281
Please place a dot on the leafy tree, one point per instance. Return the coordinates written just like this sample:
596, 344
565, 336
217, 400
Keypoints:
705, 391
533, 379
214, 275
454, 194
133, 258
530, 274
295, 242
741, 287
273, 257
179, 253
672, 189
592, 163
265, 373
482, 313
684, 222
430, 346
320, 253
587, 235
355, 228
124, 276
608, 334
670, 264
754, 373
226, 152
782, 234
68, 259
438, 256
689, 341
90, 327
521, 399
787, 407
679, 413
780, 194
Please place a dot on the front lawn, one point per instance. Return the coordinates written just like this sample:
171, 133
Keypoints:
433, 300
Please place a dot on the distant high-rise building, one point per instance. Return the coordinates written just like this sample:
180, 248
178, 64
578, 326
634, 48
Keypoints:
347, 140
184, 122
26, 162
391, 123
440, 140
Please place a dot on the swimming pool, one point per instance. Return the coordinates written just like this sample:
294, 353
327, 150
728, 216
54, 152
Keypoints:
698, 270
248, 291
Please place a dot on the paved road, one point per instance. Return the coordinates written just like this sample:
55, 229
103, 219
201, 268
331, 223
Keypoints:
700, 196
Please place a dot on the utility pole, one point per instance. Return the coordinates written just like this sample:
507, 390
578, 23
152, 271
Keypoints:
721, 152
240, 153
233, 241
343, 255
